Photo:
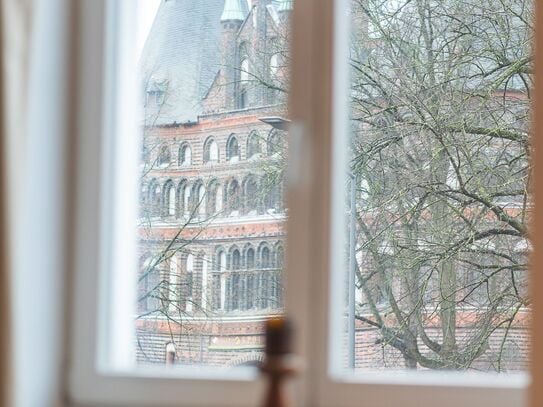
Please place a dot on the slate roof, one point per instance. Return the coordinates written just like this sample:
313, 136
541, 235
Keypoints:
182, 56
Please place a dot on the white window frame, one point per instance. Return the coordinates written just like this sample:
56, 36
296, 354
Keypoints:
317, 100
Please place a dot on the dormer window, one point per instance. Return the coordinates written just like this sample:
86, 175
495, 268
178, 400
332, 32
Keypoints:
159, 98
156, 93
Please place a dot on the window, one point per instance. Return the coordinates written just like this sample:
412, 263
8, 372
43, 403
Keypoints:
169, 199
317, 291
211, 151
265, 257
199, 199
164, 156
251, 195
186, 194
214, 198
234, 197
235, 260
155, 198
275, 147
253, 145
185, 155
250, 255
232, 149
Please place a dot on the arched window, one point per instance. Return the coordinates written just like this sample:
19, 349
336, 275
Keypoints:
253, 145
164, 157
273, 198
275, 144
232, 149
265, 258
250, 258
214, 198
186, 199
211, 151
234, 195
236, 260
221, 261
244, 76
279, 257
201, 200
169, 199
219, 200
185, 155
251, 195
155, 199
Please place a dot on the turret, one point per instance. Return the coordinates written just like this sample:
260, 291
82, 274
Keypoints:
233, 15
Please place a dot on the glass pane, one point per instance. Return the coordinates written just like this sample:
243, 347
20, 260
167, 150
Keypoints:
438, 185
211, 222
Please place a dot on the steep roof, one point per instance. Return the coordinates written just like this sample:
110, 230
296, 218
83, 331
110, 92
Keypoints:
182, 56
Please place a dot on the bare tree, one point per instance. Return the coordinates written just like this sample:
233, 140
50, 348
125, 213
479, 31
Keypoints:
440, 119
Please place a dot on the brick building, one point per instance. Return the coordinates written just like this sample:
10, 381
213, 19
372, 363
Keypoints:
212, 222
212, 215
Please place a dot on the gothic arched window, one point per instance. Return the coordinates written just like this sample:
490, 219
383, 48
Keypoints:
250, 255
251, 195
164, 156
201, 200
236, 260
253, 145
234, 196
221, 261
169, 199
275, 144
185, 195
211, 151
185, 155
279, 257
232, 149
265, 257
155, 199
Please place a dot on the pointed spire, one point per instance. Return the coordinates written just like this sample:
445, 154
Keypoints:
234, 10
286, 5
